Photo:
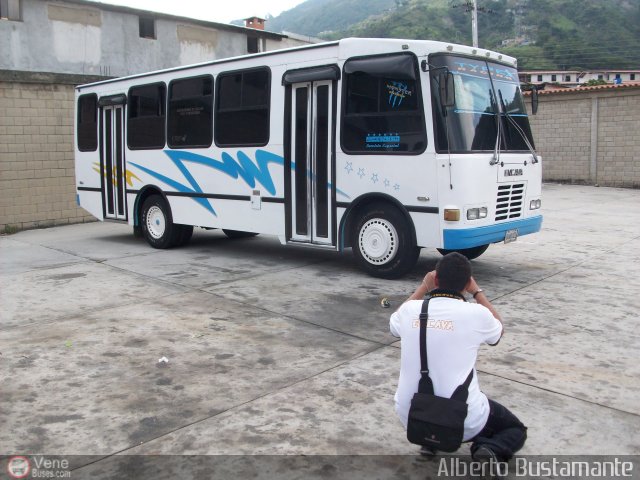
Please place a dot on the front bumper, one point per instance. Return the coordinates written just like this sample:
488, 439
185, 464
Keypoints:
455, 239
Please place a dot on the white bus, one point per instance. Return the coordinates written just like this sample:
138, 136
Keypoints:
381, 145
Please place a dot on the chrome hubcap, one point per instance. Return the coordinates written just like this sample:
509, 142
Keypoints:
156, 222
378, 241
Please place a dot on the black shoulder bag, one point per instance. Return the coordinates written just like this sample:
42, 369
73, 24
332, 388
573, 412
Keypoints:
436, 422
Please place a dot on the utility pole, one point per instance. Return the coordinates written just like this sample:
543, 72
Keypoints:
474, 23
472, 6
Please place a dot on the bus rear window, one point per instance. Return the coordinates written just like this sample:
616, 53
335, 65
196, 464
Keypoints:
146, 107
87, 133
382, 109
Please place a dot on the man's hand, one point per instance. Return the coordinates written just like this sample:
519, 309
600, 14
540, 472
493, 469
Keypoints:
472, 286
429, 280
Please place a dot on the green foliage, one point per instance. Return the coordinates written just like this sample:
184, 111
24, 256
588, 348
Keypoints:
593, 83
316, 17
10, 229
545, 34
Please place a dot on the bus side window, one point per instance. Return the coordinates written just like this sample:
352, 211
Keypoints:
242, 108
190, 115
382, 108
87, 133
146, 119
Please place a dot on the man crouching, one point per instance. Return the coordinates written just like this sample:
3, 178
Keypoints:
455, 331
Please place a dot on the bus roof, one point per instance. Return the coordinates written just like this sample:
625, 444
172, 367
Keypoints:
347, 47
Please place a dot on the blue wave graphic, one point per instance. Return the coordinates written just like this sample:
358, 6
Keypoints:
245, 168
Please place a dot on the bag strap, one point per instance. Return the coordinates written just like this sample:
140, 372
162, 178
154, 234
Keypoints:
425, 385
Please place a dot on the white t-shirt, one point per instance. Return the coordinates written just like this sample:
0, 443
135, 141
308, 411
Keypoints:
455, 331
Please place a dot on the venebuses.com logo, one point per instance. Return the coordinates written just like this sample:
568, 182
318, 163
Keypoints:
38, 466
18, 467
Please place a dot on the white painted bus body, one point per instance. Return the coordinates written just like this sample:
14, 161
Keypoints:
244, 188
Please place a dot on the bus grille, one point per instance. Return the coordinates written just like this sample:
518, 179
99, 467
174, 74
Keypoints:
510, 201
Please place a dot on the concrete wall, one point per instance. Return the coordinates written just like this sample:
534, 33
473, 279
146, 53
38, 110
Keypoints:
37, 186
590, 136
72, 37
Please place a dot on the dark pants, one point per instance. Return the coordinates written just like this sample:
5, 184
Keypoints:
503, 433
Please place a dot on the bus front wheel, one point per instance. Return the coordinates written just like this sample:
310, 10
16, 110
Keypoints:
157, 224
470, 253
382, 242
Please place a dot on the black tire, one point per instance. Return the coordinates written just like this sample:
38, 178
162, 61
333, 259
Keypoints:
157, 223
382, 242
238, 233
470, 253
186, 231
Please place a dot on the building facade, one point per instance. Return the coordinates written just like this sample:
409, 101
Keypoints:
574, 78
88, 38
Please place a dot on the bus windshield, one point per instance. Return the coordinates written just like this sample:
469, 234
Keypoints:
485, 93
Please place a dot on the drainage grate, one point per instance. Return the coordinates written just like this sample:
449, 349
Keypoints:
510, 200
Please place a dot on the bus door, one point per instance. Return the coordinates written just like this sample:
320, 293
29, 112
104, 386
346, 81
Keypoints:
312, 153
112, 161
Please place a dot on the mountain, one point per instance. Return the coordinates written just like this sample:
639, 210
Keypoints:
322, 17
542, 34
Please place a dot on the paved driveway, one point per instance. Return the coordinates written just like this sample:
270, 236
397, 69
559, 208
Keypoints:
281, 350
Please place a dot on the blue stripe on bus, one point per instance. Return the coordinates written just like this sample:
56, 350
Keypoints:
474, 237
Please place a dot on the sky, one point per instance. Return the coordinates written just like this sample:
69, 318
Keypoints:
222, 11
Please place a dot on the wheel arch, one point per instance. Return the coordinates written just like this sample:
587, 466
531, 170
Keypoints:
143, 194
359, 204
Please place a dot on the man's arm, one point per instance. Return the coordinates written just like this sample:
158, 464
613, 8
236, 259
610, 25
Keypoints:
480, 298
428, 284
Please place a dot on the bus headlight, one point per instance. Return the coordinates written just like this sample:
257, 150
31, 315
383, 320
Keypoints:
476, 213
535, 204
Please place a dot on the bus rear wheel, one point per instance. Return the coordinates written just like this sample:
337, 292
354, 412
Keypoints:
382, 242
470, 253
157, 224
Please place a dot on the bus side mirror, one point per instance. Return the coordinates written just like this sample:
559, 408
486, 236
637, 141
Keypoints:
447, 90
534, 100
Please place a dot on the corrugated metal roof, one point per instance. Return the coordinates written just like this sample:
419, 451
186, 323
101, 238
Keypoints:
609, 87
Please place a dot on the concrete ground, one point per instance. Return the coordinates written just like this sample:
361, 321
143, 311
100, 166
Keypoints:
282, 350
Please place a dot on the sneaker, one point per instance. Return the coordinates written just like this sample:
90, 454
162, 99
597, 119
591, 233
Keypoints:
426, 451
488, 458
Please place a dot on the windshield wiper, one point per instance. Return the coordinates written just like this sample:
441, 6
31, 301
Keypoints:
518, 129
496, 149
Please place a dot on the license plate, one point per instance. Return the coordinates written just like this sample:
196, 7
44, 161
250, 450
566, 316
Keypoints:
511, 236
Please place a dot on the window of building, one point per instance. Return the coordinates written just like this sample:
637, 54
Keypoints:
252, 45
554, 77
632, 76
382, 106
10, 10
146, 125
242, 108
87, 123
147, 27
539, 78
567, 78
600, 77
190, 115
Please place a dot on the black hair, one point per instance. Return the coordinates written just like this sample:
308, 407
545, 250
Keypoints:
453, 272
